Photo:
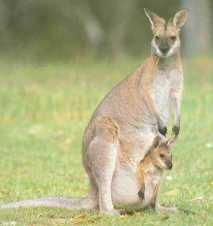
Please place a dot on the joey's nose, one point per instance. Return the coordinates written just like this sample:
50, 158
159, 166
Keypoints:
169, 164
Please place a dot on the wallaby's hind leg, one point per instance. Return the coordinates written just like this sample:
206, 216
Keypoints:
103, 166
93, 194
102, 156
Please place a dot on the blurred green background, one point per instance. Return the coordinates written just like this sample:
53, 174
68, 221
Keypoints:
68, 29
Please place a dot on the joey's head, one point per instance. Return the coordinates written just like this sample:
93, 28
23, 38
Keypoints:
160, 152
166, 35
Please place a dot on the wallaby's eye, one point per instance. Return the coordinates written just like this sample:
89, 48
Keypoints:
162, 156
157, 37
173, 38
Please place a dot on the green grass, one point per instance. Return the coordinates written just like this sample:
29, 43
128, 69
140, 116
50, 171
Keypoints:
43, 112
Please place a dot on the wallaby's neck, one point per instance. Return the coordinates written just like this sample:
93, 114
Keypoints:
167, 63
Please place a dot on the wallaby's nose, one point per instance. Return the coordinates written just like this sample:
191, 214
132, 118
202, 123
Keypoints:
164, 50
164, 46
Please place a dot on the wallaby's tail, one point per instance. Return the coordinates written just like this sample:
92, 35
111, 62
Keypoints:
57, 202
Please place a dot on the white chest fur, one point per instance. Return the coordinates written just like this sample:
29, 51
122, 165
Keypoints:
165, 81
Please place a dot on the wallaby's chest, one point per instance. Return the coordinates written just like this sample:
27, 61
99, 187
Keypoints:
162, 85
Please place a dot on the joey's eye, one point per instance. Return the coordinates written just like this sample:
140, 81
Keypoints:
162, 155
173, 38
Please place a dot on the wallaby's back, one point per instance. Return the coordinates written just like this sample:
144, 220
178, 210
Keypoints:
125, 103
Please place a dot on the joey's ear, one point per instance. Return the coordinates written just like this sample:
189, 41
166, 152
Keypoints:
154, 19
180, 18
171, 141
156, 142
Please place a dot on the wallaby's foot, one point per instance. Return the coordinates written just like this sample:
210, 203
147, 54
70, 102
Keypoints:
112, 212
163, 130
165, 209
176, 130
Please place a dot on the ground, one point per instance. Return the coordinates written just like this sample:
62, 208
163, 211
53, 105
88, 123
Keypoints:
43, 112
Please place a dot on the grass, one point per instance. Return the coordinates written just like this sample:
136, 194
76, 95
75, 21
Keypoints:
44, 110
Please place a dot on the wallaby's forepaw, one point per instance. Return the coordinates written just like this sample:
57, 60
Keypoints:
176, 130
163, 130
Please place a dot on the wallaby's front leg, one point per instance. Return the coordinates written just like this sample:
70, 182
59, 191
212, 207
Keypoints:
149, 100
176, 108
161, 127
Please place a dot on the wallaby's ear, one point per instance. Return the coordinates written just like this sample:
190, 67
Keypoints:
180, 18
171, 141
154, 19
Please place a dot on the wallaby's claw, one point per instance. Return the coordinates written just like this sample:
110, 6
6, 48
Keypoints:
176, 130
163, 131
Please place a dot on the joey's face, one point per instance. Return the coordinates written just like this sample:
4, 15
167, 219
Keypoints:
166, 40
160, 152
163, 157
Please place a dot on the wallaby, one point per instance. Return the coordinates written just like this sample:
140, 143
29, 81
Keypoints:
151, 170
123, 127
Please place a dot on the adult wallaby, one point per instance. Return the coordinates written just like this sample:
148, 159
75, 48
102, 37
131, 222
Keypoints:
123, 127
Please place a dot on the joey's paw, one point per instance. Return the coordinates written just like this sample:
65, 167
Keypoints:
141, 194
163, 130
176, 130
